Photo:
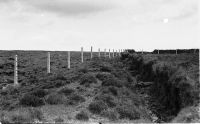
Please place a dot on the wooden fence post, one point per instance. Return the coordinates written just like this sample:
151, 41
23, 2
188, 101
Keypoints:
82, 54
48, 63
99, 53
158, 52
105, 53
16, 71
68, 59
176, 52
91, 53
109, 53
113, 53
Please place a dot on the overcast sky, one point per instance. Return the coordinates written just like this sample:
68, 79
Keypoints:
115, 24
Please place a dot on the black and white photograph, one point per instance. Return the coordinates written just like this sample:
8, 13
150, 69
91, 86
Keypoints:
99, 61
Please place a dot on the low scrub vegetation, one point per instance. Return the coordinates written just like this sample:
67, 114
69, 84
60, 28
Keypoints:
31, 100
55, 98
97, 107
127, 112
172, 87
75, 99
88, 79
83, 116
59, 120
107, 99
112, 115
39, 93
112, 82
66, 91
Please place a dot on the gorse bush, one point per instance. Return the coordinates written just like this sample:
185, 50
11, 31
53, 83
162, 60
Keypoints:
31, 100
83, 116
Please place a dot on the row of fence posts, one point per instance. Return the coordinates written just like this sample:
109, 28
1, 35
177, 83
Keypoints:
68, 60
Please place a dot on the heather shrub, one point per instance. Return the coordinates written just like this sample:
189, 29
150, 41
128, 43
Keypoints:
31, 100
83, 116
87, 79
66, 91
105, 68
97, 107
112, 82
75, 99
55, 98
11, 89
107, 99
20, 118
36, 113
58, 120
39, 93
127, 112
188, 115
104, 76
113, 90
110, 114
84, 69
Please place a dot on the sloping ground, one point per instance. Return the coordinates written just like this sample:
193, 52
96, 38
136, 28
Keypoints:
137, 89
98, 90
174, 83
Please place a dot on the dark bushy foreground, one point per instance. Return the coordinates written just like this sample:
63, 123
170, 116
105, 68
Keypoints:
128, 112
66, 91
172, 87
75, 99
83, 116
97, 107
31, 100
29, 115
54, 99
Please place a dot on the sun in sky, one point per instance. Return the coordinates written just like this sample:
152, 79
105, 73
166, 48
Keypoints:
166, 20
